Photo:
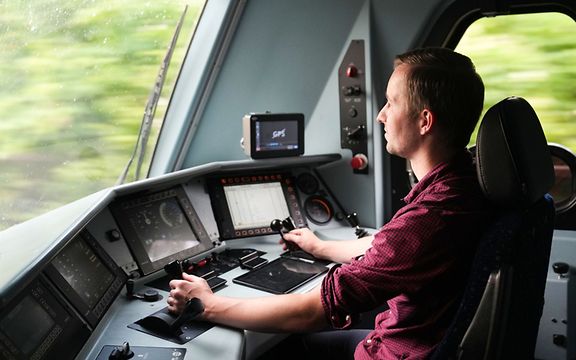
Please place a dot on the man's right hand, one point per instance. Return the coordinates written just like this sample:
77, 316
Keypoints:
305, 239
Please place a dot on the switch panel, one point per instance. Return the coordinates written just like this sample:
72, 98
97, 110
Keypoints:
352, 93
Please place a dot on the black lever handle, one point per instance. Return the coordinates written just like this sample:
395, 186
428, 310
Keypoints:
281, 226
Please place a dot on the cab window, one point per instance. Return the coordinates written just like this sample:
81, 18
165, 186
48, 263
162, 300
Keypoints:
531, 56
75, 77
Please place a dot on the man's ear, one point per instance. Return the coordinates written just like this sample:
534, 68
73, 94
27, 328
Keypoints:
427, 121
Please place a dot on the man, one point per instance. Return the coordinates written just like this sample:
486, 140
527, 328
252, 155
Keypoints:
418, 263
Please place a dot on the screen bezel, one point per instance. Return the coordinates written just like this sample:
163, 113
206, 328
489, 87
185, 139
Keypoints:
298, 119
221, 210
65, 337
135, 243
92, 314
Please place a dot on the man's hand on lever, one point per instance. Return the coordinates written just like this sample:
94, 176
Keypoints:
305, 239
341, 251
183, 290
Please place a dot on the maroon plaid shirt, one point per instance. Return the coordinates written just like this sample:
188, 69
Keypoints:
418, 264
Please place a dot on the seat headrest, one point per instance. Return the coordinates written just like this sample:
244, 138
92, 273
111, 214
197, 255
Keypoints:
513, 161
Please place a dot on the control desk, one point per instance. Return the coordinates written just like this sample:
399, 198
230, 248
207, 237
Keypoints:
98, 291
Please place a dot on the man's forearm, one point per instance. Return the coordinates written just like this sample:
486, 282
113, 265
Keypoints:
343, 251
281, 313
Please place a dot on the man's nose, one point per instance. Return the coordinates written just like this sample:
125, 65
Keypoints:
381, 118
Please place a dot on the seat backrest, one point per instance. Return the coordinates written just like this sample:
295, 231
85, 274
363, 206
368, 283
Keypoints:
501, 306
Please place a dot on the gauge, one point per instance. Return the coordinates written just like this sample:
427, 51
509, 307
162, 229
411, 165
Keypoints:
318, 209
171, 213
307, 183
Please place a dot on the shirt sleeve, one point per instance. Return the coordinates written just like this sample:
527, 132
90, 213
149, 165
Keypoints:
405, 254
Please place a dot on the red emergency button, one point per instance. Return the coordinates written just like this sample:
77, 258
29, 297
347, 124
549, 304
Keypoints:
351, 71
359, 162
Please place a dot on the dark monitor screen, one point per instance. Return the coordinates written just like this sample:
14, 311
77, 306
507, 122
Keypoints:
87, 276
84, 271
39, 324
27, 324
161, 227
245, 205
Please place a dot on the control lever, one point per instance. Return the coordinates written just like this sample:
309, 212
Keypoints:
167, 323
174, 269
282, 226
194, 307
352, 219
122, 352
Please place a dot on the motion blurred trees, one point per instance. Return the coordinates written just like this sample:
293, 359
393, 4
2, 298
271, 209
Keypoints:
74, 79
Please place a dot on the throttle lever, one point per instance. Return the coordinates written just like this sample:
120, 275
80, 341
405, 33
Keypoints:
287, 225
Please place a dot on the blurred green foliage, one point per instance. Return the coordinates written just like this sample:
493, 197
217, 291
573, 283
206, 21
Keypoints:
531, 56
75, 76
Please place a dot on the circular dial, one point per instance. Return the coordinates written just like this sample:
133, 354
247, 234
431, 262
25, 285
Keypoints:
307, 183
318, 209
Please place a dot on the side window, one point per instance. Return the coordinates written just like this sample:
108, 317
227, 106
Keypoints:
75, 76
531, 56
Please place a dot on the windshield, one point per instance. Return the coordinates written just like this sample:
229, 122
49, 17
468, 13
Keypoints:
75, 77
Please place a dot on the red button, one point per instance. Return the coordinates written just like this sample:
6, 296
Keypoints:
351, 71
359, 162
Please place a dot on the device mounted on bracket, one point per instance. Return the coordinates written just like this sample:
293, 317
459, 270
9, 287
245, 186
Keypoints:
352, 86
270, 135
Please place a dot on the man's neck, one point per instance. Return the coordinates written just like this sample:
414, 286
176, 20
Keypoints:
423, 163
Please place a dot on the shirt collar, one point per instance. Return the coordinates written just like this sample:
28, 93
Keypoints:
460, 160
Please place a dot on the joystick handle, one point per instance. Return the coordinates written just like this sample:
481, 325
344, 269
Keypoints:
122, 352
174, 269
284, 225
194, 307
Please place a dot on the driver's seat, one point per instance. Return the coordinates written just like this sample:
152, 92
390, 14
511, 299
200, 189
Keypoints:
502, 304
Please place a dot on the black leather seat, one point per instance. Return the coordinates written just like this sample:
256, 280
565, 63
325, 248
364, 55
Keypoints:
500, 311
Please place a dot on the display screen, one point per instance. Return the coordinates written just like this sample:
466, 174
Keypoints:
87, 276
245, 204
162, 227
84, 271
276, 135
273, 135
255, 205
39, 324
27, 324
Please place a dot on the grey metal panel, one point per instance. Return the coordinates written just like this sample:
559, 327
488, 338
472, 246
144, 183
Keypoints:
554, 315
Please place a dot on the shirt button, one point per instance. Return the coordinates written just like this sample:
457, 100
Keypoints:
333, 318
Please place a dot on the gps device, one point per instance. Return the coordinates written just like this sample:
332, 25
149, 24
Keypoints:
273, 135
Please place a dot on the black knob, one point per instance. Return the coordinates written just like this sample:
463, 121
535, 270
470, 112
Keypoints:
276, 225
288, 224
356, 134
122, 352
151, 295
130, 288
561, 268
352, 219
